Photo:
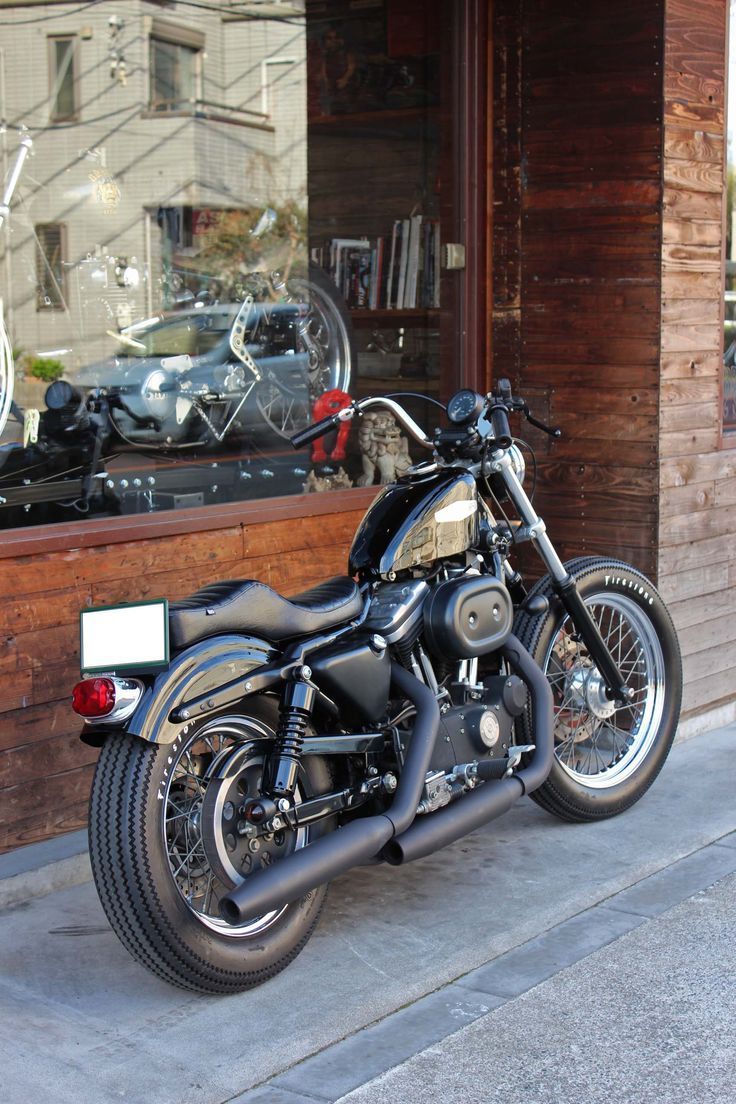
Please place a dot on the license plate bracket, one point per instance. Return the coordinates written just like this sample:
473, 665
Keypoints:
133, 636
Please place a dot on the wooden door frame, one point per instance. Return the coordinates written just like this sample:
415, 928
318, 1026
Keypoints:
465, 344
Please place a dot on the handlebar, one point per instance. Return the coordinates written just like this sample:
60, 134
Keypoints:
314, 432
501, 428
503, 402
319, 429
499, 406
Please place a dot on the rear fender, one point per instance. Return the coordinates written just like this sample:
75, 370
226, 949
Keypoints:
204, 667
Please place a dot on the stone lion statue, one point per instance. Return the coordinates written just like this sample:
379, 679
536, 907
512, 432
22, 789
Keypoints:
383, 449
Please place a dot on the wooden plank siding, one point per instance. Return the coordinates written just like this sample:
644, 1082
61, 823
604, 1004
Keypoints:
697, 524
577, 242
45, 771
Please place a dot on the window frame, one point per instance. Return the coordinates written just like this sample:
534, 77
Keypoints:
182, 38
52, 40
726, 436
42, 259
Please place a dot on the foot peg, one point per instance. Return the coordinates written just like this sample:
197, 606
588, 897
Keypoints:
488, 769
515, 753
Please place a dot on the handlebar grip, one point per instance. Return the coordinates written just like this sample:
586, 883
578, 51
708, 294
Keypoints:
314, 432
501, 428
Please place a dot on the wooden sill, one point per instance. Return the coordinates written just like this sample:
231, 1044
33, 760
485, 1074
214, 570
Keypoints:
116, 530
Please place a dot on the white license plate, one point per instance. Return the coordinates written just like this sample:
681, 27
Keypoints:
132, 637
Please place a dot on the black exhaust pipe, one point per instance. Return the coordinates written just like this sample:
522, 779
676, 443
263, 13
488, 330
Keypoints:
490, 800
357, 842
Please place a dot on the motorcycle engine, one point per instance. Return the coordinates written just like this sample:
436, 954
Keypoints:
483, 728
158, 395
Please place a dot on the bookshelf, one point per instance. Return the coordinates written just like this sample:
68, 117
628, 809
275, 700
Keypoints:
374, 164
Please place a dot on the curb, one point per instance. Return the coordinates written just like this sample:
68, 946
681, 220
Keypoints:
351, 1063
41, 868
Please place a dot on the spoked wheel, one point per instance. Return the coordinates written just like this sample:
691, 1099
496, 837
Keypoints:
166, 843
324, 334
606, 755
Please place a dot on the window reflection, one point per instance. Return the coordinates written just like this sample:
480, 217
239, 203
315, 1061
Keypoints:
63, 83
174, 71
231, 228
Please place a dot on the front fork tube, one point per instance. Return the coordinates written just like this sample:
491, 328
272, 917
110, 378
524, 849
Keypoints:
616, 687
534, 529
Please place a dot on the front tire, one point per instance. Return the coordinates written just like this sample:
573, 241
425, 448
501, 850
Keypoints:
606, 758
161, 860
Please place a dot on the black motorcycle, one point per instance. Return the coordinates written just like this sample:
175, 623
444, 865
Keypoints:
254, 746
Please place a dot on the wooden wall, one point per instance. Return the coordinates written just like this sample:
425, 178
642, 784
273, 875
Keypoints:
607, 292
697, 527
577, 186
45, 771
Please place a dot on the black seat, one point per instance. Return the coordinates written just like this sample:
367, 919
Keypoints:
247, 606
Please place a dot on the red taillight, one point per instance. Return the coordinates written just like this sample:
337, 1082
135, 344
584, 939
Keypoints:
94, 697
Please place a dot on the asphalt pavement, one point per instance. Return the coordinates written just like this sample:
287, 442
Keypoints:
532, 961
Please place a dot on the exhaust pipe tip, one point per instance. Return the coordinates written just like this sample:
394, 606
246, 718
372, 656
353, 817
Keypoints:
229, 911
392, 853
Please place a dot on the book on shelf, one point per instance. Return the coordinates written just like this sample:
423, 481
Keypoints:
403, 262
396, 271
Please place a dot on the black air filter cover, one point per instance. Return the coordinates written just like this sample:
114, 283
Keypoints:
468, 617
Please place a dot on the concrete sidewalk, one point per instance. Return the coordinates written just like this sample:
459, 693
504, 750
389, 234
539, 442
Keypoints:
80, 1017
649, 1018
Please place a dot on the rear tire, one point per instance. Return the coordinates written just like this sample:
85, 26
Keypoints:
159, 874
606, 758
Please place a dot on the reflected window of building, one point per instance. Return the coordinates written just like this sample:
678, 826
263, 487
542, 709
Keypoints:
50, 266
63, 78
175, 74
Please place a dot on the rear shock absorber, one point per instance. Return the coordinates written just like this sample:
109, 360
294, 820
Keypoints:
295, 713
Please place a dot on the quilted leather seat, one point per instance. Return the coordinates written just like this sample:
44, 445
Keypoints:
247, 606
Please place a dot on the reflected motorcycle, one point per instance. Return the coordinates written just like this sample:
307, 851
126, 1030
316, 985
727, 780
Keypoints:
253, 747
202, 380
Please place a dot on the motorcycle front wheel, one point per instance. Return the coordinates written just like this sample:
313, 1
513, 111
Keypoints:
606, 756
166, 844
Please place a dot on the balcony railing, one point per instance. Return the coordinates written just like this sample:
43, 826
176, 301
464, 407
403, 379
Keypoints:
210, 110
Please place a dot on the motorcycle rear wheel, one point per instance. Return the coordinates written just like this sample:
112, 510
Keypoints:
326, 336
606, 758
160, 863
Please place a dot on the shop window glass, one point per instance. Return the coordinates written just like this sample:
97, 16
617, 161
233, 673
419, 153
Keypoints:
306, 196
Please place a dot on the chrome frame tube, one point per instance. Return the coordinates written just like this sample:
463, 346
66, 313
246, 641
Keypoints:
26, 142
537, 530
398, 412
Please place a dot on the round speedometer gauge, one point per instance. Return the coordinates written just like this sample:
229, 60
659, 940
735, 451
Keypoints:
464, 406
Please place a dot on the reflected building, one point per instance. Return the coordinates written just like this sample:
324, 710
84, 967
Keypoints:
151, 123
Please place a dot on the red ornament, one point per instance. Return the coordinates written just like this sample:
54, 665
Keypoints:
329, 403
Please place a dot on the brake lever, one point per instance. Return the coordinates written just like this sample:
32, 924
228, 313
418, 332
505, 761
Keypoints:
553, 431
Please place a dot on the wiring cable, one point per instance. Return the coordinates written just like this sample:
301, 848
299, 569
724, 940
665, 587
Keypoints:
49, 18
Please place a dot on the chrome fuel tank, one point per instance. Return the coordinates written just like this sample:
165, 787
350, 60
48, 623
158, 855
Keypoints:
420, 519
